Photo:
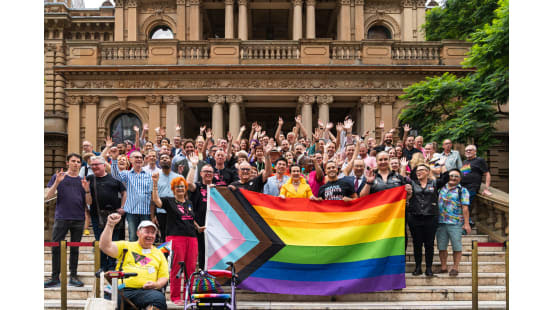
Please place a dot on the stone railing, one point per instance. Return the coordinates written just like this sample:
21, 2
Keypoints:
193, 52
123, 52
418, 51
344, 50
269, 50
491, 214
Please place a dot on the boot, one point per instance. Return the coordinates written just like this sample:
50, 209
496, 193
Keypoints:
417, 271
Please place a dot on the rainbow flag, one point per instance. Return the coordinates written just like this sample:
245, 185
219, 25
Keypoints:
297, 246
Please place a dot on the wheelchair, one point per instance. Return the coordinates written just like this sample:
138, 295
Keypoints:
211, 301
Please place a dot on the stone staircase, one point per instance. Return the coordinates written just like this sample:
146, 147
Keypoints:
439, 292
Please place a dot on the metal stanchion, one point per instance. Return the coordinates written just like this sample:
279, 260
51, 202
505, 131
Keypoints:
475, 284
63, 273
507, 261
97, 267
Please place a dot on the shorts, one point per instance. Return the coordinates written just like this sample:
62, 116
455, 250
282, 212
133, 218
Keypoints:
452, 232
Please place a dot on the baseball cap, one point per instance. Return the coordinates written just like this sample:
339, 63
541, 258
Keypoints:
147, 224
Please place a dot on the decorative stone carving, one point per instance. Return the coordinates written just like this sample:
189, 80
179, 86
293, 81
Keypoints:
311, 2
154, 99
215, 99
194, 2
421, 3
119, 3
123, 103
359, 2
324, 99
234, 99
242, 2
344, 2
180, 2
297, 2
159, 6
132, 3
387, 99
91, 99
385, 20
171, 99
408, 3
369, 99
306, 99
74, 100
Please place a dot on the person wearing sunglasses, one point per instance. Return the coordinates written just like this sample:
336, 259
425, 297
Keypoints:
257, 183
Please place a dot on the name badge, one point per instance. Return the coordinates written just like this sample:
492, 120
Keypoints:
146, 251
151, 270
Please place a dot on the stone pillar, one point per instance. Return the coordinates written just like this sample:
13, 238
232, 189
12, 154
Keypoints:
344, 27
387, 111
91, 120
359, 20
172, 115
324, 102
59, 79
73, 124
154, 109
132, 21
119, 20
242, 21
195, 20
217, 118
311, 19
234, 102
181, 20
297, 19
306, 102
408, 22
368, 114
229, 19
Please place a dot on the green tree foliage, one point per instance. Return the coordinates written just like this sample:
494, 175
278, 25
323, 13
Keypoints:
457, 19
464, 108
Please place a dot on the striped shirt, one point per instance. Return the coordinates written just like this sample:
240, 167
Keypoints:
139, 187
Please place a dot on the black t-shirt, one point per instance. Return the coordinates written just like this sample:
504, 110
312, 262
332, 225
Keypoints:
110, 191
472, 173
180, 217
254, 185
199, 202
408, 153
393, 180
224, 176
336, 190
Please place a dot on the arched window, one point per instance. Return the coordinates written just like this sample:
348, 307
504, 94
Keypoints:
161, 32
378, 32
122, 127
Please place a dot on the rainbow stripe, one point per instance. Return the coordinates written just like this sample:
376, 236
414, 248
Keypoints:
330, 247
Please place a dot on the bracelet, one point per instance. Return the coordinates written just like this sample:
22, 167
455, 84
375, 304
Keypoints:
88, 192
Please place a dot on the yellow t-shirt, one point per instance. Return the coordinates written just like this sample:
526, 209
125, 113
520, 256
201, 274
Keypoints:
303, 190
149, 264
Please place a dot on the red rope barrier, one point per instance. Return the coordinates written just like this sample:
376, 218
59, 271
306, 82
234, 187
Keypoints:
51, 243
490, 244
70, 243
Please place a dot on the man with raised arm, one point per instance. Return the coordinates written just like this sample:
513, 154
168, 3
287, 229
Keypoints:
252, 184
142, 258
159, 215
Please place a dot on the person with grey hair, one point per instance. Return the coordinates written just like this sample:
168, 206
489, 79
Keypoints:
452, 157
104, 195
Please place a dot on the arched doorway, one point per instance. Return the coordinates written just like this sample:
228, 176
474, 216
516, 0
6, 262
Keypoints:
122, 127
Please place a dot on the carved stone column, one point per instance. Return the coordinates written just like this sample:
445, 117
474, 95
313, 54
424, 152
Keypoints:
324, 102
181, 20
217, 118
119, 20
311, 21
234, 102
91, 120
306, 102
297, 19
387, 110
195, 20
73, 124
242, 20
172, 115
368, 114
229, 19
344, 33
132, 21
154, 109
359, 20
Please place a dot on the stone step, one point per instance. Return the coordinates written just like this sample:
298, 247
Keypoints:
465, 266
485, 278
410, 293
259, 305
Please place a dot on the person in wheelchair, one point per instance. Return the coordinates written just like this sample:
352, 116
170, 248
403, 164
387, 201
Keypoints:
144, 259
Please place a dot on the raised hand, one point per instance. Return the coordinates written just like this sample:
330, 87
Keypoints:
392, 130
280, 121
208, 133
253, 126
381, 125
177, 128
442, 161
262, 134
298, 119
113, 152
329, 125
145, 127
162, 132
108, 142
155, 177
136, 128
267, 149
157, 130
113, 219
229, 137
202, 128
194, 159
85, 185
406, 128
320, 123
60, 175
242, 128
258, 128
404, 162
348, 124
427, 157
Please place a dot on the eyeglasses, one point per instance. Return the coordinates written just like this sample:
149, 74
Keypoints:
245, 169
96, 164
453, 176
470, 150
180, 186
136, 157
207, 171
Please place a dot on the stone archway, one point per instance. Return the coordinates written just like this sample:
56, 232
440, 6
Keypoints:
157, 20
110, 113
383, 20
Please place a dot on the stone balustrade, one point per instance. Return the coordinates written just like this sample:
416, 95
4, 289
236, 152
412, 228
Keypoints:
123, 53
269, 50
193, 52
490, 213
346, 50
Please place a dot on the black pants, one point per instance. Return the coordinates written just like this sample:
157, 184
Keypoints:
423, 230
162, 219
201, 250
61, 227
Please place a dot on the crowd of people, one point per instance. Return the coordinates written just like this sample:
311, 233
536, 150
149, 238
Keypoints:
160, 188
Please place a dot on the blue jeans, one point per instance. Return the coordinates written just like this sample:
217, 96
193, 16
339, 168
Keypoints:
142, 298
133, 221
106, 262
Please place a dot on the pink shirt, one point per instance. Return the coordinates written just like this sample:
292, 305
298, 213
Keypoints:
314, 185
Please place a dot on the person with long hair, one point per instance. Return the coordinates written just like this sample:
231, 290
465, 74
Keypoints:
296, 186
181, 228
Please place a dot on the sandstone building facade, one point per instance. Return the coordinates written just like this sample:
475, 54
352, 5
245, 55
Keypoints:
224, 63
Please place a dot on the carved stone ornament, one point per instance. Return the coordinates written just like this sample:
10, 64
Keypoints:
306, 99
311, 2
383, 6
408, 3
91, 99
194, 2
421, 3
171, 99
181, 2
215, 99
297, 2
132, 3
387, 99
74, 100
229, 2
359, 2
153, 99
344, 2
119, 3
123, 103
234, 99
324, 99
368, 99
242, 2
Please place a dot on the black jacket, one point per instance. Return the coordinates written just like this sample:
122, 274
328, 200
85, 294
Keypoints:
424, 200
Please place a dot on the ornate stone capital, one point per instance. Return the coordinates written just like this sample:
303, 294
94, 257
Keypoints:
154, 99
119, 3
344, 2
132, 3
180, 2
311, 2
194, 2
74, 100
215, 99
123, 103
306, 99
242, 2
91, 99
359, 2
171, 99
420, 3
234, 99
297, 2
324, 99
387, 99
407, 3
368, 99
229, 2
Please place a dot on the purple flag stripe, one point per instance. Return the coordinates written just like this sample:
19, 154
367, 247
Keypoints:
326, 288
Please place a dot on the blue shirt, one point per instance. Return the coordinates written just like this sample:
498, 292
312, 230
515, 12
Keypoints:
139, 187
272, 186
164, 186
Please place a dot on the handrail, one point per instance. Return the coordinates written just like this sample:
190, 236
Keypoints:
491, 214
475, 270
